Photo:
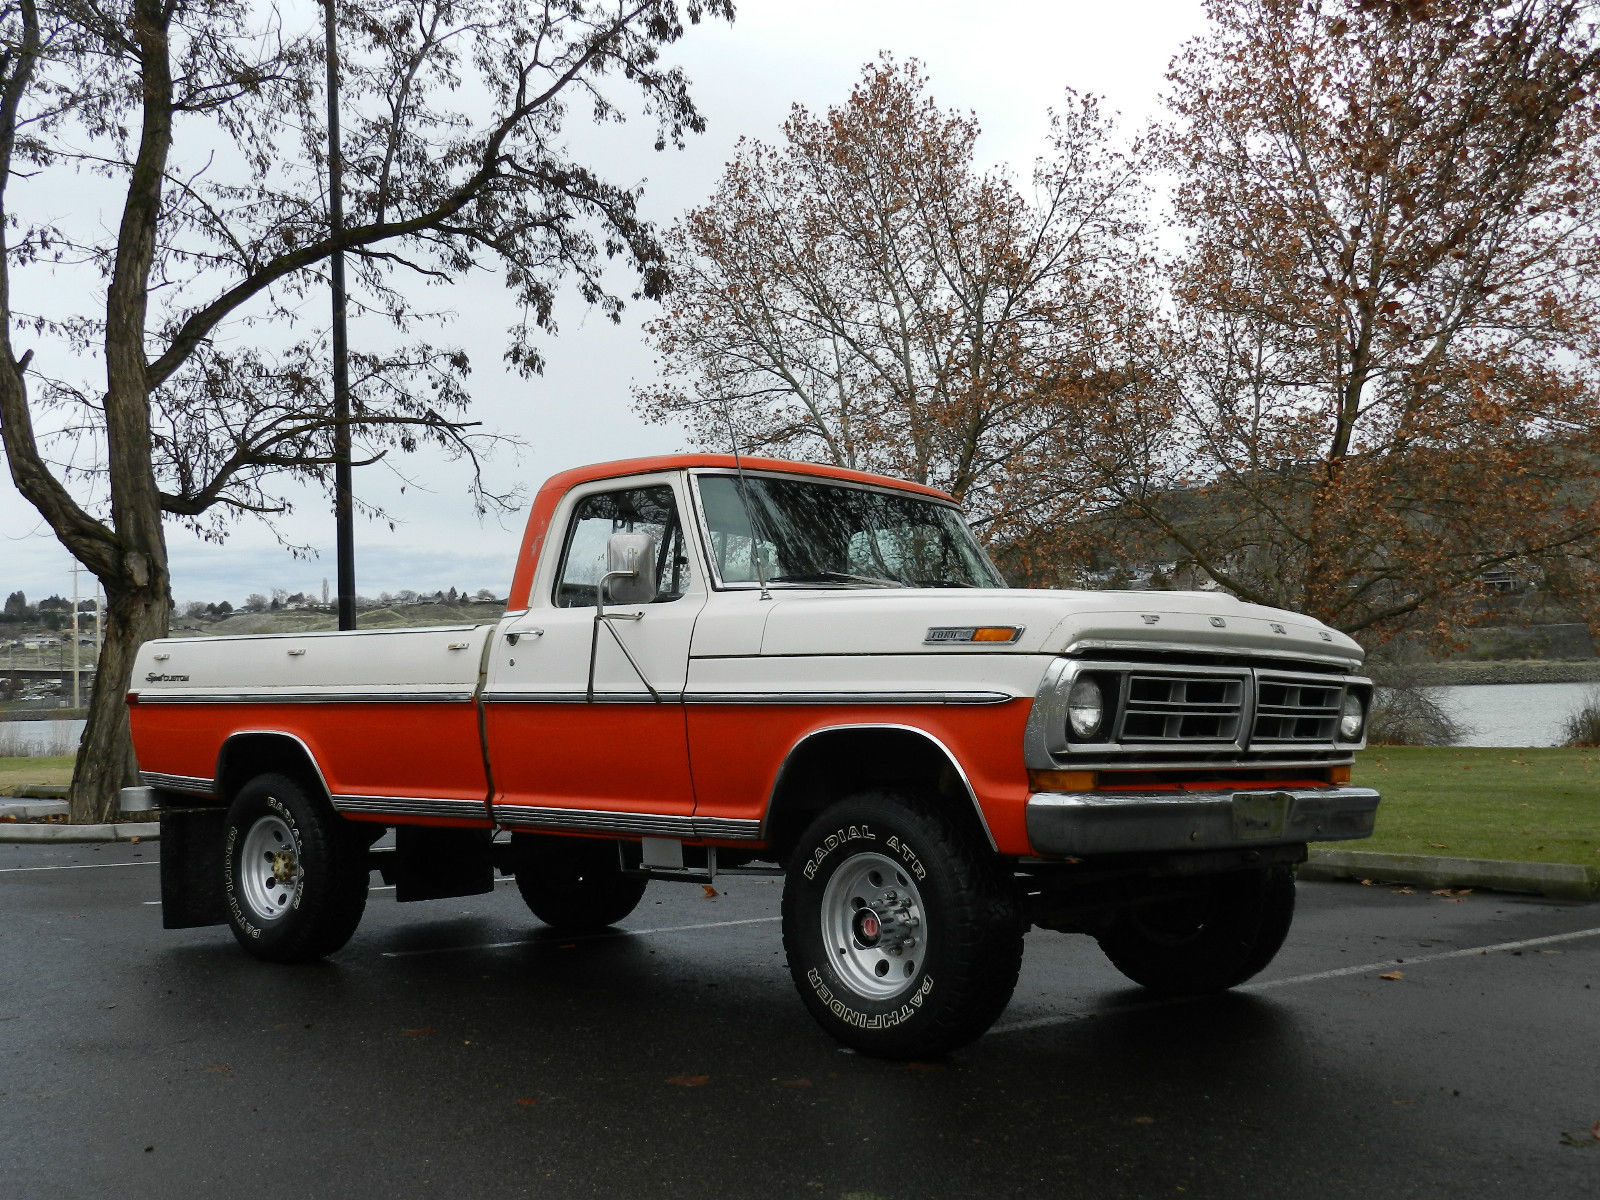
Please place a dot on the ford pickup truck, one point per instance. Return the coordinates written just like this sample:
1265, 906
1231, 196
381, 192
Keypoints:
709, 666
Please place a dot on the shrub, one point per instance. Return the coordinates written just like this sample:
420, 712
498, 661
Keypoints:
1582, 727
1407, 713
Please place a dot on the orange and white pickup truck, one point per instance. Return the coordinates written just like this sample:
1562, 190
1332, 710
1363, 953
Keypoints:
711, 667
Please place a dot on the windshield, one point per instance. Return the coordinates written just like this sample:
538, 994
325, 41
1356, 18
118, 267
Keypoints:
820, 533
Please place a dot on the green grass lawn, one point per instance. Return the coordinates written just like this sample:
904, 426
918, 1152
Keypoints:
28, 772
1523, 805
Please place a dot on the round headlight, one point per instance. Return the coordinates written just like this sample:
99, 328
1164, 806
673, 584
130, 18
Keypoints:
1351, 718
1085, 708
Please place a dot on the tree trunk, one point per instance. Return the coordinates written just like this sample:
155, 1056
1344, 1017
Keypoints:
106, 764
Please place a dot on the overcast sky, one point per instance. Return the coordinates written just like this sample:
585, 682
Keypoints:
1009, 65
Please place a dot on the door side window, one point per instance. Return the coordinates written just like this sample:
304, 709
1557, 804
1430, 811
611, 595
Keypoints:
649, 510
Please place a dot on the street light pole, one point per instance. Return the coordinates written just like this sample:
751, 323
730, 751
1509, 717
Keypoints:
75, 634
343, 489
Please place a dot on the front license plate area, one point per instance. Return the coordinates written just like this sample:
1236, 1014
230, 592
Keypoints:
1260, 815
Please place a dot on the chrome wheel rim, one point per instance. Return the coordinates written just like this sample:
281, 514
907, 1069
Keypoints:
270, 875
874, 926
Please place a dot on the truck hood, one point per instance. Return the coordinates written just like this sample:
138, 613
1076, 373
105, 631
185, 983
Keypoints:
897, 621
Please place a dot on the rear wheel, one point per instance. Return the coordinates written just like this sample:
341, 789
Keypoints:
575, 885
1206, 943
294, 874
901, 927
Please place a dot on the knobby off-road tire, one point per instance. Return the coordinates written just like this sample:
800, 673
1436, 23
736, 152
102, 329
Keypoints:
1208, 943
294, 873
902, 928
574, 885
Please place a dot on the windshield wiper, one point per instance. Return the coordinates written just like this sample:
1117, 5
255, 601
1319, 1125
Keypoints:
836, 577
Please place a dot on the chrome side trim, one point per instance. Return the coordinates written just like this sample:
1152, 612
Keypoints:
736, 829
627, 824
955, 765
192, 785
503, 697
847, 697
776, 698
270, 697
413, 806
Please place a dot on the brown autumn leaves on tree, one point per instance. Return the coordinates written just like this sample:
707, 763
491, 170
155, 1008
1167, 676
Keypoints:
864, 295
163, 362
1363, 373
1383, 354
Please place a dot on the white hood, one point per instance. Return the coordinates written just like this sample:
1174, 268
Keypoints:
896, 621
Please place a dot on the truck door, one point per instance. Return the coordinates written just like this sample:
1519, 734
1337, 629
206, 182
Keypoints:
611, 756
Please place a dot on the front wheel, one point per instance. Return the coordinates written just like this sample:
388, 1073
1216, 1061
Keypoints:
294, 874
574, 885
901, 927
1206, 943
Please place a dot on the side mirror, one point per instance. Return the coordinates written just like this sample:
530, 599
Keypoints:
630, 569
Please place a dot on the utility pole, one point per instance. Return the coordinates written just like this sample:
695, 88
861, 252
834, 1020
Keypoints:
74, 633
343, 488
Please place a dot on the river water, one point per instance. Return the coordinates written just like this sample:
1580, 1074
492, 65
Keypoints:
1514, 714
1500, 714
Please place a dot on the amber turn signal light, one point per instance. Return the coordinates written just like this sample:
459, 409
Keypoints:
1062, 781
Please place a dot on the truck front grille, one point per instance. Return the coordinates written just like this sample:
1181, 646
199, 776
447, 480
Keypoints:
1182, 708
1168, 713
1295, 710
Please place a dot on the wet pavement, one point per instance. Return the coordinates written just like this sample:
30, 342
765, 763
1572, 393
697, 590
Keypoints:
455, 1048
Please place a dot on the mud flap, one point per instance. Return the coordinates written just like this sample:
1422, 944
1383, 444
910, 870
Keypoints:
434, 863
191, 868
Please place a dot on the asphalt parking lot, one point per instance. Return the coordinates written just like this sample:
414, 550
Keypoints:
455, 1049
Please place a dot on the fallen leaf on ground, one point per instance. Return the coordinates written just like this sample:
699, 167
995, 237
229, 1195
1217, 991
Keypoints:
1583, 1141
1405, 891
1366, 883
423, 1032
690, 1080
1438, 845
527, 1100
711, 892
1392, 975
1144, 1120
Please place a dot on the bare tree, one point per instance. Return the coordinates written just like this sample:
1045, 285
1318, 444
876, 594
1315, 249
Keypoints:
204, 119
862, 293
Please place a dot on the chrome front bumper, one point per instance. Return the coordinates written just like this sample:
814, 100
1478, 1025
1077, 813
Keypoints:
1080, 824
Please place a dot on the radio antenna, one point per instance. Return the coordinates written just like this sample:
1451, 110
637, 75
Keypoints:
744, 498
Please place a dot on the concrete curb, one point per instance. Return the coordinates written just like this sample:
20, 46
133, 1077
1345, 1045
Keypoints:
1559, 881
26, 826
122, 831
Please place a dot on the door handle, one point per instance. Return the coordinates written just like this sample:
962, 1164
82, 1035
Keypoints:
514, 634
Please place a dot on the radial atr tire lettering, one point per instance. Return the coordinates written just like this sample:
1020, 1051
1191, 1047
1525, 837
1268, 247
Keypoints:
294, 875
901, 927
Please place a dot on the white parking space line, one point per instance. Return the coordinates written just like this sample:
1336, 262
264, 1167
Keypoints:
79, 867
382, 887
1389, 964
582, 937
1267, 985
